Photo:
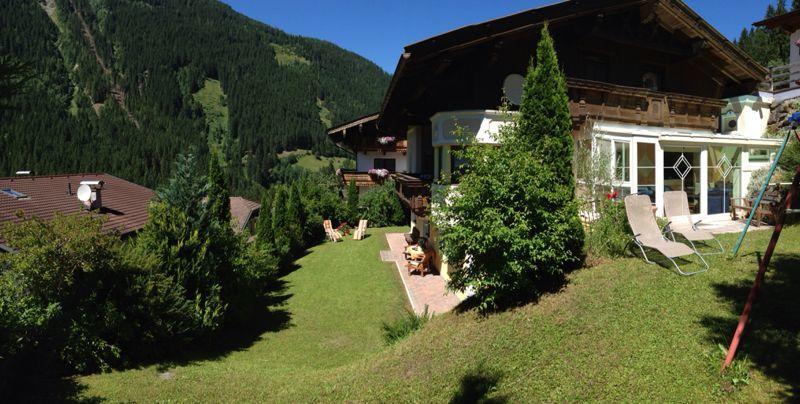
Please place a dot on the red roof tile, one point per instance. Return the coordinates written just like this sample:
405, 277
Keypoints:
241, 212
124, 203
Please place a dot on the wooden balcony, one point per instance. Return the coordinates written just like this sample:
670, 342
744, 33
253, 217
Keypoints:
609, 102
414, 192
362, 179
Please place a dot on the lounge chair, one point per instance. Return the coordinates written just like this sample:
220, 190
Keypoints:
332, 234
362, 228
676, 207
647, 234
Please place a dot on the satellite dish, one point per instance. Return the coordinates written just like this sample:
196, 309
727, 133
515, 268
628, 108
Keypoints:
512, 87
84, 193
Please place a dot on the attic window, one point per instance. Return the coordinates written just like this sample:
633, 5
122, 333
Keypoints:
14, 194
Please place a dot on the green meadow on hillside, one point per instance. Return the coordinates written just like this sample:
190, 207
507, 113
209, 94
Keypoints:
620, 331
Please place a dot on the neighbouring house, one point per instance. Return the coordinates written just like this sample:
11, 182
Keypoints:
650, 82
244, 213
784, 81
123, 204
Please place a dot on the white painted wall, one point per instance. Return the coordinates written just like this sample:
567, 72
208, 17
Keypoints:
751, 113
480, 124
365, 160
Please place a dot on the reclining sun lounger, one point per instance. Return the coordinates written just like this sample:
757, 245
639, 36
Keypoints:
648, 235
676, 208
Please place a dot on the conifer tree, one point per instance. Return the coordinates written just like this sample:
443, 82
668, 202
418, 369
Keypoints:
296, 218
280, 224
352, 202
545, 124
264, 234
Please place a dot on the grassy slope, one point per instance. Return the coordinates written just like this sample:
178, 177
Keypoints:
620, 331
337, 300
310, 162
210, 97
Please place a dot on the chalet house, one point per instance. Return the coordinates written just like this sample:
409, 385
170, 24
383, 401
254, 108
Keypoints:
123, 203
649, 81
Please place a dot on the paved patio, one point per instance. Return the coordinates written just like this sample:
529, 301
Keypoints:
422, 291
721, 226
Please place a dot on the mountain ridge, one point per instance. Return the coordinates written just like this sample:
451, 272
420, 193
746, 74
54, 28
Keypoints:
117, 79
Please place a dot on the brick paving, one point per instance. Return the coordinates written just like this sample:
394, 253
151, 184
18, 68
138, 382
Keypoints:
421, 291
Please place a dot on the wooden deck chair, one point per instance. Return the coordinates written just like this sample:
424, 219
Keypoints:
422, 265
362, 228
647, 234
676, 207
332, 234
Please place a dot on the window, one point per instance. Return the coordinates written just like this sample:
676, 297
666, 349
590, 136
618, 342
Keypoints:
14, 194
646, 170
622, 161
389, 164
682, 173
759, 155
724, 178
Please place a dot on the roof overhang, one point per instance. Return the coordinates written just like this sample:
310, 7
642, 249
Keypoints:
347, 134
737, 65
789, 22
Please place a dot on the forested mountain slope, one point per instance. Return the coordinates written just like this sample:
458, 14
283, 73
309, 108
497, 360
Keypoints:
124, 85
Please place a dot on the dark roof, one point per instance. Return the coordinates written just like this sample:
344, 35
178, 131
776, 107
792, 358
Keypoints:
124, 203
673, 12
788, 22
242, 211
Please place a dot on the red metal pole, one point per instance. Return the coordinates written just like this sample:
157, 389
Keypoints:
762, 268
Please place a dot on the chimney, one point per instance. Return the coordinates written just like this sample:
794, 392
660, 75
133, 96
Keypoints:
95, 201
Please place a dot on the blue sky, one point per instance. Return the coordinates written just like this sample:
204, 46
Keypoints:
378, 29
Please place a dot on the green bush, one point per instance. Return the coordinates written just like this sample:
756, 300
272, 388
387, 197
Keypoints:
62, 293
404, 326
380, 206
609, 235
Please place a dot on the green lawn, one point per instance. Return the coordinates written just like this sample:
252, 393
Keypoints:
335, 303
620, 331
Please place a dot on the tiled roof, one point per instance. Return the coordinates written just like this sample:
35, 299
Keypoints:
241, 212
124, 203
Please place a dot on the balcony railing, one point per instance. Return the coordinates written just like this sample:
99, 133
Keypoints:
780, 77
591, 99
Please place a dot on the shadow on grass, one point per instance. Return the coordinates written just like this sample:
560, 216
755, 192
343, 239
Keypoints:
771, 339
273, 317
476, 386
52, 390
527, 295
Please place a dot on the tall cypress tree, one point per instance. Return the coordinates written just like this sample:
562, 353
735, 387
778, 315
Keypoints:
281, 224
264, 236
352, 202
545, 124
219, 204
296, 214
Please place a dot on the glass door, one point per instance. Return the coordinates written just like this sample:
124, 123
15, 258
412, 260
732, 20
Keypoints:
682, 173
724, 177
